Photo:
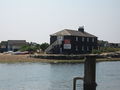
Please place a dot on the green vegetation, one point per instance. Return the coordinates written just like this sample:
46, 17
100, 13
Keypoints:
33, 47
27, 48
94, 51
44, 46
105, 50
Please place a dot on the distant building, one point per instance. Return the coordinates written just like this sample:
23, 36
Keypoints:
12, 45
114, 45
102, 43
72, 42
15, 45
3, 46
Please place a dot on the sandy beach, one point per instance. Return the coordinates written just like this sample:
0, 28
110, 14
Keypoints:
8, 58
17, 58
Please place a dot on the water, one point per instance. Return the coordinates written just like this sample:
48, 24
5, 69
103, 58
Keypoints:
43, 76
108, 76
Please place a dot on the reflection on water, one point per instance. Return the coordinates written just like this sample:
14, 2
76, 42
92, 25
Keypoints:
41, 76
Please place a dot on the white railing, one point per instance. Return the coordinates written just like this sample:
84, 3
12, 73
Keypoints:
57, 42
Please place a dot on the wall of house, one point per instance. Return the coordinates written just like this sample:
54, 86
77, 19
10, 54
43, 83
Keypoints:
75, 45
81, 45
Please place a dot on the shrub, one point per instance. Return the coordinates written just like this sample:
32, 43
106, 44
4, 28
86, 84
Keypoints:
105, 50
96, 51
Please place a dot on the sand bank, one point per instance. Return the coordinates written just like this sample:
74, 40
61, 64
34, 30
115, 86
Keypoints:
8, 58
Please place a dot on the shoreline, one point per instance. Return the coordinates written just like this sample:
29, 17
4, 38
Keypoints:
7, 58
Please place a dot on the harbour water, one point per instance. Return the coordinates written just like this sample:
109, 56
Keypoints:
45, 76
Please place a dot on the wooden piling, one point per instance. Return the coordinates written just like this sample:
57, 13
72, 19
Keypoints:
75, 80
90, 73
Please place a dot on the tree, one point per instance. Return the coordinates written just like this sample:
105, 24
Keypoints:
33, 47
28, 48
44, 46
37, 46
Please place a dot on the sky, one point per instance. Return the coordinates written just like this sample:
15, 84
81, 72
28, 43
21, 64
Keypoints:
35, 20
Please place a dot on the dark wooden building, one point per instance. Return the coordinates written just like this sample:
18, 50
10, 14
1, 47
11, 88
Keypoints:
72, 42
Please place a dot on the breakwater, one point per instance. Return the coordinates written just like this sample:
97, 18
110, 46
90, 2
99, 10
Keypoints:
75, 57
59, 56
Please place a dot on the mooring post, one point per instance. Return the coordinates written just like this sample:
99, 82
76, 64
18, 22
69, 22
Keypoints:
75, 80
90, 73
74, 84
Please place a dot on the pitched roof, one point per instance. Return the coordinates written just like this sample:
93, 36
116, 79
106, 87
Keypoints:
16, 42
68, 32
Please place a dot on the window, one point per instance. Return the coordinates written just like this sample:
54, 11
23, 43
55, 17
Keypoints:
93, 40
87, 48
92, 47
87, 39
82, 48
83, 39
76, 48
76, 38
60, 38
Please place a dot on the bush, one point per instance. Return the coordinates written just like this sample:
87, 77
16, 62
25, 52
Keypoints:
96, 51
105, 50
44, 46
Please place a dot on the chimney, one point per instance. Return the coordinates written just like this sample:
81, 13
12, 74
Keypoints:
81, 29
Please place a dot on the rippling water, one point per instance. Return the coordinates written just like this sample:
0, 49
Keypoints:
43, 76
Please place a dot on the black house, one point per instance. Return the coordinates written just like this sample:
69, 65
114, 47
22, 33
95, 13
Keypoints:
72, 42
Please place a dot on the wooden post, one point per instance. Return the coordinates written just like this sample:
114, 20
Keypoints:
90, 73
74, 84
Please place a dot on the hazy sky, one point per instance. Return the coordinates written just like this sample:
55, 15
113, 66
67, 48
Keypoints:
35, 20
